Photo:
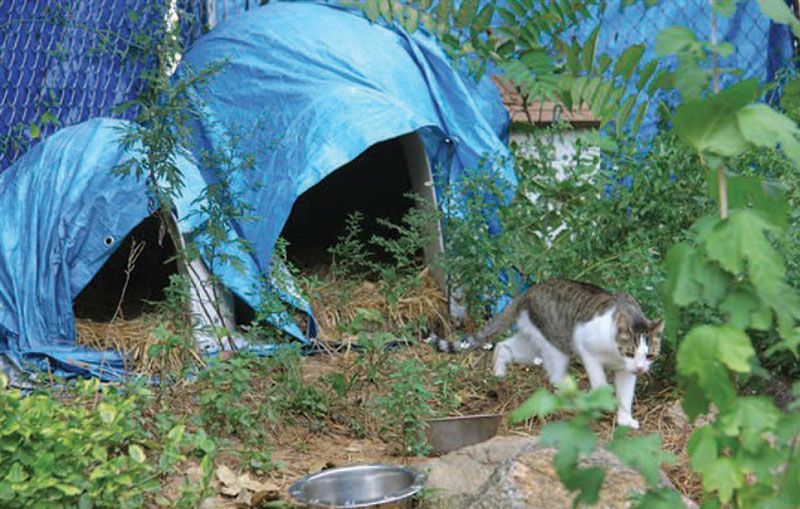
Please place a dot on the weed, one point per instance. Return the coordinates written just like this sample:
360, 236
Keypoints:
226, 402
405, 405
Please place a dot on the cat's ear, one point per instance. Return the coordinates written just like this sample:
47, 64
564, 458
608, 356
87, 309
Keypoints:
657, 327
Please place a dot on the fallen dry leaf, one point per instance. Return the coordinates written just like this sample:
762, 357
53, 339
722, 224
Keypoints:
256, 486
226, 475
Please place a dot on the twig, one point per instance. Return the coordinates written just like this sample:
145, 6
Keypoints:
136, 250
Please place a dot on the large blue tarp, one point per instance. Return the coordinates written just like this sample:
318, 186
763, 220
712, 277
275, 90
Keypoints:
313, 86
306, 87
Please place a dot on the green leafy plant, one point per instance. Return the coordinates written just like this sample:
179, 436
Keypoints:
574, 438
406, 405
87, 451
225, 400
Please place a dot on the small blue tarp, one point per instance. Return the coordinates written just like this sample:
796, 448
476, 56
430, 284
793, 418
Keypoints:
304, 88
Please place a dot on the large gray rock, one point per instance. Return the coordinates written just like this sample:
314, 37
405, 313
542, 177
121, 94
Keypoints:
517, 472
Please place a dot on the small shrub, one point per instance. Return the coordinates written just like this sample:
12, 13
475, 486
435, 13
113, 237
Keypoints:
405, 406
89, 451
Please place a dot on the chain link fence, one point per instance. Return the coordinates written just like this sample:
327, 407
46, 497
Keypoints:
64, 62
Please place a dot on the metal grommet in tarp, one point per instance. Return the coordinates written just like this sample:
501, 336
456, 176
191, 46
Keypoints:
108, 241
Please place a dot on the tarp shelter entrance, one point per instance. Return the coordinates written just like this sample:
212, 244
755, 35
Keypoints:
379, 183
310, 86
150, 273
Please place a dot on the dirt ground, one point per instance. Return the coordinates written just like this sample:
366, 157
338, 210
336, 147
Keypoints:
301, 449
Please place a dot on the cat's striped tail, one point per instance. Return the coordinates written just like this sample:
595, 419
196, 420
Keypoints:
443, 345
496, 326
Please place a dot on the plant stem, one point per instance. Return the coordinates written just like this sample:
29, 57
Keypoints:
722, 181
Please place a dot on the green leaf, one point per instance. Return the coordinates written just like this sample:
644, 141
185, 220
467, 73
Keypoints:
725, 7
628, 61
570, 438
372, 10
588, 481
702, 447
695, 402
742, 237
747, 191
625, 113
664, 80
541, 404
34, 130
734, 349
642, 453
691, 80
673, 40
790, 100
107, 413
637, 120
603, 61
753, 417
67, 489
466, 12
85, 502
136, 453
660, 499
589, 49
646, 73
699, 360
16, 474
411, 19
713, 280
781, 13
710, 125
385, 8
601, 399
739, 305
724, 477
484, 19
725, 49
764, 127
682, 288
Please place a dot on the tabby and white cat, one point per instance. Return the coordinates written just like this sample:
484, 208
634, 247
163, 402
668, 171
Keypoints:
558, 318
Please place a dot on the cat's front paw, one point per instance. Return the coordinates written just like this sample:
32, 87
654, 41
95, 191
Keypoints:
627, 420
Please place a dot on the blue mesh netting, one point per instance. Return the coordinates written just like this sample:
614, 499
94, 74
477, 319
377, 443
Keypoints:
64, 62
762, 48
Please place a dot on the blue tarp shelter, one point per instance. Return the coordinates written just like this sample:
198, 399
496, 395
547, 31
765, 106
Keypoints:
305, 87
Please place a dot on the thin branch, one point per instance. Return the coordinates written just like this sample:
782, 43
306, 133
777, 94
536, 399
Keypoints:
136, 250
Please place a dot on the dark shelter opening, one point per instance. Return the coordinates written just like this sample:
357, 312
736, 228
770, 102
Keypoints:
148, 278
377, 183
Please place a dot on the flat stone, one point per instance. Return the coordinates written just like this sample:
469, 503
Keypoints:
516, 472
456, 477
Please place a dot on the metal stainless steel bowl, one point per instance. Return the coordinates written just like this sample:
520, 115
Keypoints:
450, 433
384, 486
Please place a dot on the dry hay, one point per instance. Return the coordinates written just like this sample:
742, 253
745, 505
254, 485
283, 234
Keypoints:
662, 414
336, 305
134, 339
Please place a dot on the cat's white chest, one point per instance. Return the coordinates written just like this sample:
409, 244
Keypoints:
598, 338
